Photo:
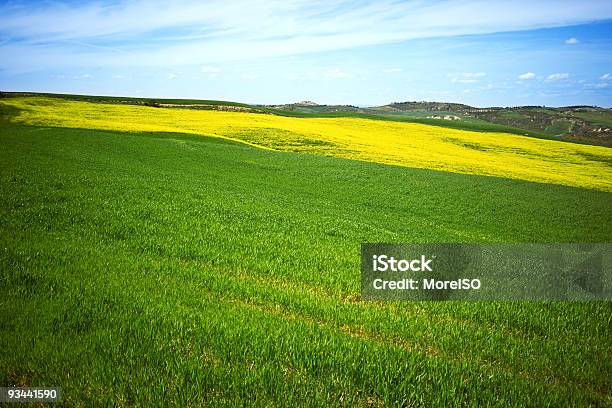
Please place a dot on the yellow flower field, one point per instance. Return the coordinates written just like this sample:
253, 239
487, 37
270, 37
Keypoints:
396, 143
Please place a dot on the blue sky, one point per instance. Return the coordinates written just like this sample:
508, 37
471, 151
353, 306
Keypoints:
483, 53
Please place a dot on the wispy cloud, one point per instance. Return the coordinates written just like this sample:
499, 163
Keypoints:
557, 77
572, 41
207, 69
599, 85
336, 73
527, 76
210, 71
162, 33
467, 77
606, 77
172, 76
392, 70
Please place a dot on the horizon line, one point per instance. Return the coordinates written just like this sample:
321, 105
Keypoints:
362, 106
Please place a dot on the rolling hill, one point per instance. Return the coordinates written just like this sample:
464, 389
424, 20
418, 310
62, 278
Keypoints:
581, 124
388, 142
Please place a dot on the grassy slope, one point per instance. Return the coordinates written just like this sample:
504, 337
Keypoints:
404, 144
597, 118
163, 268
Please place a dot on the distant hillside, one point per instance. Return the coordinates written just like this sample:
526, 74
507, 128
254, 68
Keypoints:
425, 106
582, 124
588, 124
312, 107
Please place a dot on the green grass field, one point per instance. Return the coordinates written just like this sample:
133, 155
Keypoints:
165, 269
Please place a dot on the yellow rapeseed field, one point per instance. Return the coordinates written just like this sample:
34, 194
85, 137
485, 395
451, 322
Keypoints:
396, 143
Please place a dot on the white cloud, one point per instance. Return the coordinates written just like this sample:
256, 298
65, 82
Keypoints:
392, 70
467, 77
207, 69
572, 41
110, 33
473, 74
526, 76
606, 77
171, 76
84, 76
599, 85
336, 73
249, 76
557, 77
119, 77
210, 71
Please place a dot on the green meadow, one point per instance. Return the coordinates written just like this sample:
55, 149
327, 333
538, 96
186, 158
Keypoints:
156, 269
